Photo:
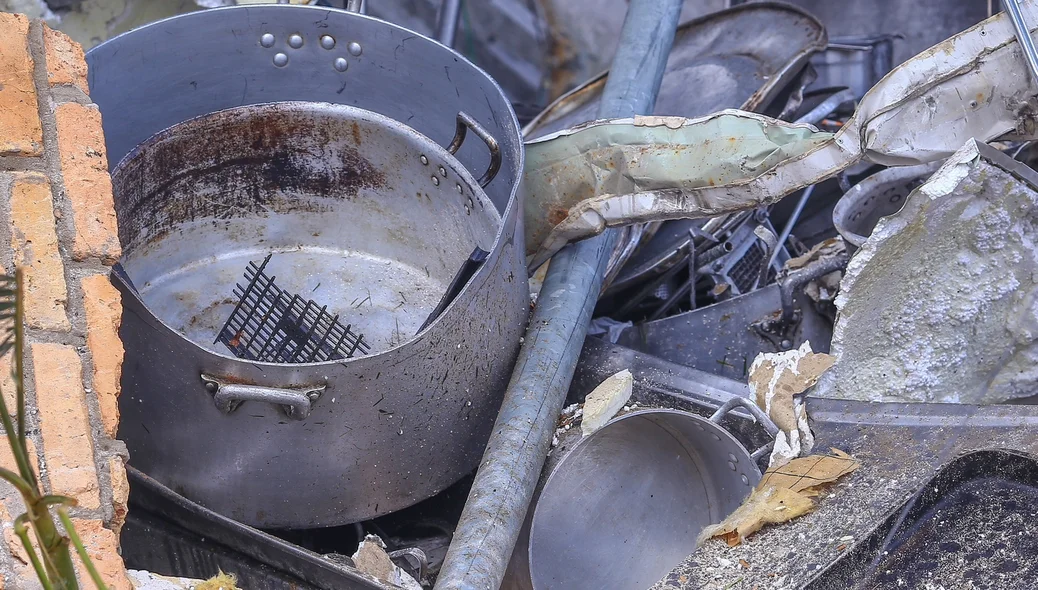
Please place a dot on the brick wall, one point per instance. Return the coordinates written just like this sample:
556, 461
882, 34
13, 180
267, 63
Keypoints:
57, 221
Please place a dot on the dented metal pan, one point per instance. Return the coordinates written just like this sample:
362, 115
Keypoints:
740, 57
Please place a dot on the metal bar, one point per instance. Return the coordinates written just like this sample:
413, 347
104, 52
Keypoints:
788, 228
1023, 35
815, 115
447, 22
505, 482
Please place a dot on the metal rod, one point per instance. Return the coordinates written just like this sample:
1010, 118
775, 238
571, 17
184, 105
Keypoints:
505, 482
447, 22
815, 115
788, 228
1023, 35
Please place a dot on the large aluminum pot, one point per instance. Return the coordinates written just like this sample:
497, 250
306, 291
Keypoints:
388, 429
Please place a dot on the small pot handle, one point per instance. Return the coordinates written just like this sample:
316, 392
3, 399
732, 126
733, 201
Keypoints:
757, 413
465, 122
296, 403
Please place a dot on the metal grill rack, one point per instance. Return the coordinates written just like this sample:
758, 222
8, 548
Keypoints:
272, 325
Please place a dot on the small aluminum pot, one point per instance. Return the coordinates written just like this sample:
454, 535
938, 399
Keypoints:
621, 507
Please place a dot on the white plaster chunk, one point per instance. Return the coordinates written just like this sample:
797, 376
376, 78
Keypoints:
142, 580
605, 401
777, 380
939, 305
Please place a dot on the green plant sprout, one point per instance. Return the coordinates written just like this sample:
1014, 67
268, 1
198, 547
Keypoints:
55, 570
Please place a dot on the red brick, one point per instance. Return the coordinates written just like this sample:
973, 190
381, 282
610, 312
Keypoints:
120, 492
21, 133
66, 63
35, 244
102, 545
103, 304
68, 448
84, 167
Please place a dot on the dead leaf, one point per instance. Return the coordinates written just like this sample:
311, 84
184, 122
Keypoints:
745, 564
783, 494
771, 505
809, 472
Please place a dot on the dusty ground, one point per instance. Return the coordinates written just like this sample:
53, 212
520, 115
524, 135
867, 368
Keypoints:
895, 462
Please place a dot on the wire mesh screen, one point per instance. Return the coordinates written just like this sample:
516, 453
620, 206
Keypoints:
272, 325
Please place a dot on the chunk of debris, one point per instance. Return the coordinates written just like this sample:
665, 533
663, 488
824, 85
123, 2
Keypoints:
142, 580
777, 379
371, 558
939, 303
605, 401
784, 493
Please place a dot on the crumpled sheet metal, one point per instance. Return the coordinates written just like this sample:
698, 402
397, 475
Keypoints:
973, 85
627, 160
939, 303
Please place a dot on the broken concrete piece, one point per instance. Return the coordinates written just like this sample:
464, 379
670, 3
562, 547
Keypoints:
777, 379
605, 401
939, 304
371, 558
142, 580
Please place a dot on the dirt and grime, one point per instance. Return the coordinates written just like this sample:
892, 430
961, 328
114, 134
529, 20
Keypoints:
895, 461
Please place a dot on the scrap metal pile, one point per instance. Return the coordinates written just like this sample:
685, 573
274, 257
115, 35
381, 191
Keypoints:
745, 213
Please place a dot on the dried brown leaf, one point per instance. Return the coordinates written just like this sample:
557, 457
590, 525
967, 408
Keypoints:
783, 494
809, 472
772, 505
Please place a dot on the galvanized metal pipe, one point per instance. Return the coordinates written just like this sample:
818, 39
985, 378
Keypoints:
447, 22
505, 482
1023, 36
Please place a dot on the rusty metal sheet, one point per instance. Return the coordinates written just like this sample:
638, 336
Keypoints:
635, 164
973, 85
737, 57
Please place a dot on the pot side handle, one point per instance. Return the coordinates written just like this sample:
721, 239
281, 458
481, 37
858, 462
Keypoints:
758, 415
466, 122
295, 403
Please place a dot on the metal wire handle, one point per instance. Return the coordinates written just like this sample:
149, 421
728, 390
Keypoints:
466, 122
758, 415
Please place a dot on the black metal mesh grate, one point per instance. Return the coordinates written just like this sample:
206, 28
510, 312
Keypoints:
271, 325
745, 271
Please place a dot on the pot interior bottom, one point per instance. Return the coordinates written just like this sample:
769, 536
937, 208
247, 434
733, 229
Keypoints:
384, 300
